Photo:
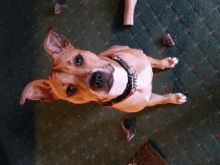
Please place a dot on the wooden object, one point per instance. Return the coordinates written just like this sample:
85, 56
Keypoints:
129, 12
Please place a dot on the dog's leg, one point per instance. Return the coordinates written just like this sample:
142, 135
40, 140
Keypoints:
113, 49
156, 99
164, 63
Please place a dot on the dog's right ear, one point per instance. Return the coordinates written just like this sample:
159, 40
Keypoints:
38, 90
54, 44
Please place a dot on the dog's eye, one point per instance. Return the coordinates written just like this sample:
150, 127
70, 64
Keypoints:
70, 90
78, 60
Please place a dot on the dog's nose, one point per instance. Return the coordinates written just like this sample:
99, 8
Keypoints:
98, 75
97, 79
98, 84
101, 81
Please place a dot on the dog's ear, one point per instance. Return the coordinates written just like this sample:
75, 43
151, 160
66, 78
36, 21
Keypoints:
38, 90
54, 44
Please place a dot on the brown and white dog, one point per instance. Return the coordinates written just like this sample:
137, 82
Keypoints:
120, 77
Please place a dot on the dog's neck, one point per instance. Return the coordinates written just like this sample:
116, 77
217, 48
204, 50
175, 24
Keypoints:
123, 73
120, 81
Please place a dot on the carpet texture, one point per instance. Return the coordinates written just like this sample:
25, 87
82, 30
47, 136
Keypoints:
62, 133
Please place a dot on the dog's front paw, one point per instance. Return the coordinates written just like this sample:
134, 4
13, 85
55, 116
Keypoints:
173, 61
178, 98
170, 62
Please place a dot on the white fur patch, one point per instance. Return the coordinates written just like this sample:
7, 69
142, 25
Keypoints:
120, 81
144, 81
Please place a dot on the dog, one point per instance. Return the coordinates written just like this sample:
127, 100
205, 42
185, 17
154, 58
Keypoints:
120, 77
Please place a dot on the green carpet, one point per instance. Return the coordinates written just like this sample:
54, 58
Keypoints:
62, 133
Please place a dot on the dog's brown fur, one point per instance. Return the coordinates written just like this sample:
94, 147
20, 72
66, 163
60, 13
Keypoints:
67, 72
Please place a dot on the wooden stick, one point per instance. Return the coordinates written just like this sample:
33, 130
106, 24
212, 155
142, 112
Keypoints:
129, 12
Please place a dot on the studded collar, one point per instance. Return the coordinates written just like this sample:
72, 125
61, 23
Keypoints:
131, 85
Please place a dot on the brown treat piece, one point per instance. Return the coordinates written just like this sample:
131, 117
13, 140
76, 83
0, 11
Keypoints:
60, 8
167, 40
130, 132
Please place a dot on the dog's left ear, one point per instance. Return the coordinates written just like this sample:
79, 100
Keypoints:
38, 90
54, 44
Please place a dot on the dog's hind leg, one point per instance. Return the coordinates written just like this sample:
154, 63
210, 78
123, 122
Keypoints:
176, 98
164, 63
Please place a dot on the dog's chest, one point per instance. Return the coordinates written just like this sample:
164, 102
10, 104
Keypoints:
144, 79
143, 71
143, 84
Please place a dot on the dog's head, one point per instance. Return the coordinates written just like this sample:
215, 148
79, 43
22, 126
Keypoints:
77, 76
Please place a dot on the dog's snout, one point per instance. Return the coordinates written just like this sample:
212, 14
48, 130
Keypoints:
97, 80
101, 80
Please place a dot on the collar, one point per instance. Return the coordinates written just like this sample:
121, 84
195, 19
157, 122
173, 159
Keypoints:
131, 85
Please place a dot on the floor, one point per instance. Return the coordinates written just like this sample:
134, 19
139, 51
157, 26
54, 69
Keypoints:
59, 132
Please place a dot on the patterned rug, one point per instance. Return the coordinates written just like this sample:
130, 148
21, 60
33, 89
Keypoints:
61, 133
147, 156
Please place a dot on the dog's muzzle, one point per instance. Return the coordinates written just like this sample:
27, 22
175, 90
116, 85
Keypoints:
101, 81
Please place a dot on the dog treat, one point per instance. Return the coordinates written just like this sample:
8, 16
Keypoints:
129, 128
167, 40
129, 12
60, 6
